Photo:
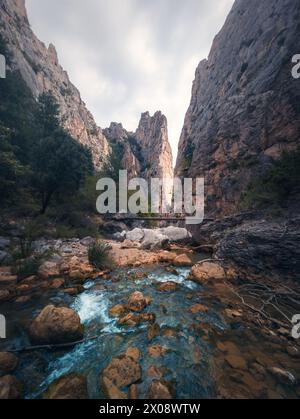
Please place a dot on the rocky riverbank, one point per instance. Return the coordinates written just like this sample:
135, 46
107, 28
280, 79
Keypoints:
168, 313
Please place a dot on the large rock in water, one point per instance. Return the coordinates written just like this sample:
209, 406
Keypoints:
10, 388
137, 301
207, 271
8, 362
69, 387
56, 325
123, 371
244, 110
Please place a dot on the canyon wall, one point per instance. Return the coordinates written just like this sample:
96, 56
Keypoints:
245, 106
144, 153
40, 69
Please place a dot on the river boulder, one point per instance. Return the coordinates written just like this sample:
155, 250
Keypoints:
8, 362
159, 390
137, 301
10, 388
123, 371
56, 325
207, 271
68, 387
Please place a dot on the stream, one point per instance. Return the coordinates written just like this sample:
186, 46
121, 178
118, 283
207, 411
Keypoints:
193, 362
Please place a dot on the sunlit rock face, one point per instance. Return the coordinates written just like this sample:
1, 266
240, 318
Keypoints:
245, 106
40, 69
152, 135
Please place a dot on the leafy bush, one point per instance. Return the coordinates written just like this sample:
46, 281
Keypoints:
99, 256
24, 268
31, 231
277, 185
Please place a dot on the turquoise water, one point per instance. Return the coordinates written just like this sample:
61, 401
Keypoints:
187, 361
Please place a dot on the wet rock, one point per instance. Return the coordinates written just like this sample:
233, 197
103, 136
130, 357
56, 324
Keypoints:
170, 333
7, 279
234, 313
147, 317
57, 283
130, 320
159, 390
56, 325
10, 388
258, 369
49, 270
111, 391
117, 310
133, 393
166, 256
293, 351
23, 300
167, 287
137, 302
236, 362
207, 271
283, 376
73, 291
5, 296
81, 271
156, 372
171, 270
69, 387
183, 260
198, 308
156, 351
228, 347
138, 275
8, 363
133, 353
123, 371
153, 331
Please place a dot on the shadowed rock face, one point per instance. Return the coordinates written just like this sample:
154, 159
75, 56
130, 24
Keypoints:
40, 69
147, 152
245, 106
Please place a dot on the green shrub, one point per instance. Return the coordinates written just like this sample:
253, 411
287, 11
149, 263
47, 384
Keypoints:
27, 267
99, 256
277, 185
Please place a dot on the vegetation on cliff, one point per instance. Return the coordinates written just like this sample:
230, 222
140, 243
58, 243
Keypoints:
277, 185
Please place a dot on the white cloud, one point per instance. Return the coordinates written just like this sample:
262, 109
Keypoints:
128, 56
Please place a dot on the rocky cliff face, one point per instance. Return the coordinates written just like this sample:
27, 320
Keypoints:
152, 136
147, 152
40, 69
245, 106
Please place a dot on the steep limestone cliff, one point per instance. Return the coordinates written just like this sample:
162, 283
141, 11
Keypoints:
245, 106
40, 69
152, 136
147, 152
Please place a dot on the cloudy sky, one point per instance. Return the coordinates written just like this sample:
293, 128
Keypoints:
129, 56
